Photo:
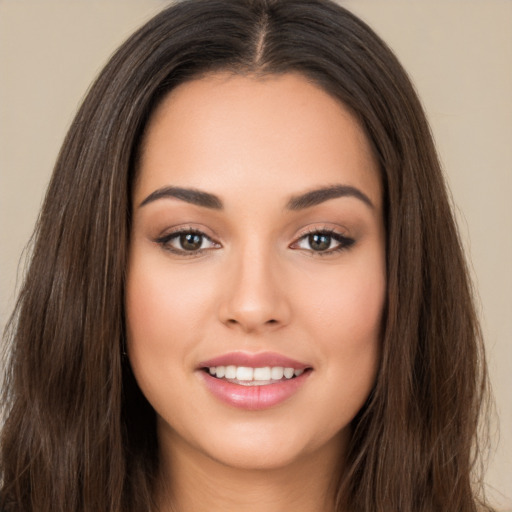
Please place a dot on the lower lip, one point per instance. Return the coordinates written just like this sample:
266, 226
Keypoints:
254, 398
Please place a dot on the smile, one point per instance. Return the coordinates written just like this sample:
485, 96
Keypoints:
247, 376
253, 381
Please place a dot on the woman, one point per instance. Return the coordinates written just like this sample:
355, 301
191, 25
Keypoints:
247, 289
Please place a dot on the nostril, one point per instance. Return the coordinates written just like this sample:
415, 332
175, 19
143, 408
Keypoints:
249, 325
232, 321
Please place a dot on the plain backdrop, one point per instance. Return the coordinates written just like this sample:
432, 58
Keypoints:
458, 53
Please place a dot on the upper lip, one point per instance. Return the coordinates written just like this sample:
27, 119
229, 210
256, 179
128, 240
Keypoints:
259, 360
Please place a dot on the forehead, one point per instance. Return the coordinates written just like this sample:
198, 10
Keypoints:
222, 130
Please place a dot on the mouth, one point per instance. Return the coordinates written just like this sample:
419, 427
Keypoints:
254, 381
249, 376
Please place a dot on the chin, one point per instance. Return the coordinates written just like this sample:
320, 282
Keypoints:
259, 446
258, 458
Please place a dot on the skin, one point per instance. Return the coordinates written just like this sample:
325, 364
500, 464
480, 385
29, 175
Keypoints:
257, 285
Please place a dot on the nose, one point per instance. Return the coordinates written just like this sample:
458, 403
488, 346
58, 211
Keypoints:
254, 294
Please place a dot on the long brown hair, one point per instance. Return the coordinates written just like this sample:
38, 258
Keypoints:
78, 434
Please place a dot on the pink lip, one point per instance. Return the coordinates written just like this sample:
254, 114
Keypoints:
259, 360
253, 398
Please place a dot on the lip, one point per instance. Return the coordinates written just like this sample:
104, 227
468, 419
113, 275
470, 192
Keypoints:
253, 398
259, 360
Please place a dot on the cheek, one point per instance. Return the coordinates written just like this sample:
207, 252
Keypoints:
349, 302
355, 347
347, 309
165, 318
162, 302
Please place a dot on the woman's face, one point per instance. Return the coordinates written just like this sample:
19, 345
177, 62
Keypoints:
257, 253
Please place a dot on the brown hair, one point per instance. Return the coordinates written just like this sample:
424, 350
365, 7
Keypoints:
78, 434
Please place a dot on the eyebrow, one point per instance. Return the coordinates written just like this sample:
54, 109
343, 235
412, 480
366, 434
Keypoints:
320, 195
300, 202
189, 195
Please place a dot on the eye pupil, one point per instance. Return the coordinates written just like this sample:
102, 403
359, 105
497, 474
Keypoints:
319, 241
191, 241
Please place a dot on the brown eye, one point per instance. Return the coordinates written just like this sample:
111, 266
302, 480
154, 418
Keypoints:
191, 241
319, 241
323, 242
187, 242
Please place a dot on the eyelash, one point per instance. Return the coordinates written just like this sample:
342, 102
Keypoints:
165, 242
344, 243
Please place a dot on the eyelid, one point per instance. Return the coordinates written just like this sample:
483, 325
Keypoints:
344, 241
164, 241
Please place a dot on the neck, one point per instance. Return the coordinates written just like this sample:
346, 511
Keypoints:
197, 483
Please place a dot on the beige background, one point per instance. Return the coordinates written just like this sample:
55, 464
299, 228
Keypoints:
458, 52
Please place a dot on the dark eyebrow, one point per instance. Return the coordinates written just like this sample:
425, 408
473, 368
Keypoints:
317, 196
188, 195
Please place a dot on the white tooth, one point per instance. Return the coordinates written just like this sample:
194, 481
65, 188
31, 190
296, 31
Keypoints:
277, 372
262, 373
230, 372
288, 372
244, 373
220, 371
298, 372
212, 370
